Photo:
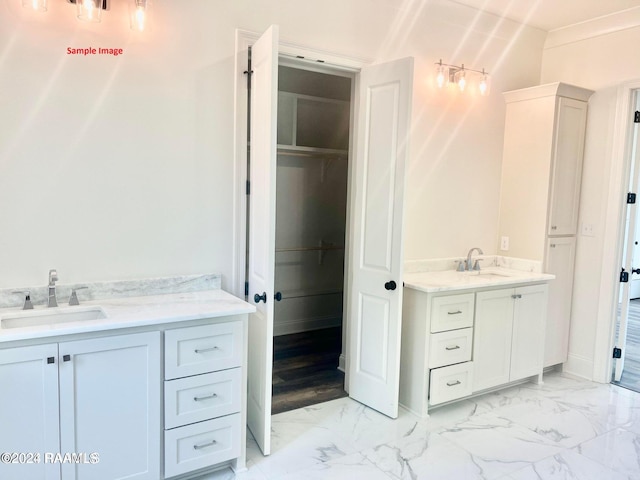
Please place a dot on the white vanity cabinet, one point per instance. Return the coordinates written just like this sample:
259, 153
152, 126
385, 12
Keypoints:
509, 335
455, 344
98, 396
540, 191
120, 395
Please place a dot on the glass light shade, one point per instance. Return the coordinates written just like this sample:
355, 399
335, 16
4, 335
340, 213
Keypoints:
89, 10
485, 85
442, 75
461, 79
138, 12
37, 5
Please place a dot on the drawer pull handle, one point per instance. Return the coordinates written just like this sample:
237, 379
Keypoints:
205, 350
204, 445
455, 347
457, 312
205, 397
453, 384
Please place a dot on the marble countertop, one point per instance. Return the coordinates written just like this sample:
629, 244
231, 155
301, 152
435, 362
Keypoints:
451, 280
135, 312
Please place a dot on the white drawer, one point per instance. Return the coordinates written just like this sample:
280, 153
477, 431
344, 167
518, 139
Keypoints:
450, 383
195, 350
201, 397
452, 312
450, 347
201, 445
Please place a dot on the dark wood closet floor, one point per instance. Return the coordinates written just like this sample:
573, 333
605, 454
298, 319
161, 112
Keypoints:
305, 369
631, 373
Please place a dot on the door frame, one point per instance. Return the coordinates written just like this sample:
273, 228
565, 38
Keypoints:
614, 233
292, 54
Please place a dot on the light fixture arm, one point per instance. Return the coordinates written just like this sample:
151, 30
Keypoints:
453, 69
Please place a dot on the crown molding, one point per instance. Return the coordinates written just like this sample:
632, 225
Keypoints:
604, 25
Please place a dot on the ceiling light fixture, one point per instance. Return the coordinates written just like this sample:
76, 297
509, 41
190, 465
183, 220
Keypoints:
461, 76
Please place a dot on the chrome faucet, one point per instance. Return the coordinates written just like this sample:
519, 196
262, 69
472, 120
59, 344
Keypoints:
467, 263
53, 278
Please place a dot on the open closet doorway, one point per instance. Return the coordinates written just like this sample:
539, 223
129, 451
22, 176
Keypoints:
627, 348
378, 151
314, 111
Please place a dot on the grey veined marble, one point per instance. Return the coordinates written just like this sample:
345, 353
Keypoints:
114, 289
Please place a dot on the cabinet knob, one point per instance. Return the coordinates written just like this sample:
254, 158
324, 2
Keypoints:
258, 298
51, 360
66, 358
278, 296
554, 227
390, 285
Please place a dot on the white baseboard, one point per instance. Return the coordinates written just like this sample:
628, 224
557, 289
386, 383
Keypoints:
305, 325
341, 363
579, 366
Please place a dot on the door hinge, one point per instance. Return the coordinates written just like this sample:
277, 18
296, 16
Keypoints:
246, 289
636, 117
617, 352
248, 187
624, 276
631, 197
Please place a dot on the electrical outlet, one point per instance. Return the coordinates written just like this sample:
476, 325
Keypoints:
587, 230
504, 243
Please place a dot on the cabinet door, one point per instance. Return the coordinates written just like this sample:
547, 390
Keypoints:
571, 119
529, 314
110, 404
492, 338
560, 262
29, 409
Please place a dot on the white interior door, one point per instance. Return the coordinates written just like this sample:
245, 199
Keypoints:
375, 296
628, 251
262, 231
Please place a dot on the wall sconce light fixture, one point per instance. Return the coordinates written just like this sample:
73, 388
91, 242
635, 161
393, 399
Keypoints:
461, 76
91, 10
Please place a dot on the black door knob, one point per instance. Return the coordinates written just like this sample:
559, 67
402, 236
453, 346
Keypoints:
257, 298
390, 285
278, 296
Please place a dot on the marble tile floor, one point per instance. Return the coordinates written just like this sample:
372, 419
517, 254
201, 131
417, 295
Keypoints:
567, 428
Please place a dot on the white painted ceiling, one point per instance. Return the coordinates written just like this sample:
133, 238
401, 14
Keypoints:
550, 14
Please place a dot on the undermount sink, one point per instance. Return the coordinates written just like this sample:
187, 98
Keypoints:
50, 316
488, 274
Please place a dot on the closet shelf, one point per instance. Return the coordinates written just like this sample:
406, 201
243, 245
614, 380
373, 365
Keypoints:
313, 152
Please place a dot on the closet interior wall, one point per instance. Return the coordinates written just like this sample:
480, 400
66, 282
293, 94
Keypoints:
311, 199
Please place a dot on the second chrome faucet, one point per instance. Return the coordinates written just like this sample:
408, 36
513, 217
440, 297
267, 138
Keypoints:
53, 278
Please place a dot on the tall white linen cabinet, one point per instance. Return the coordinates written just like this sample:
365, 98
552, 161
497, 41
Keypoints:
540, 193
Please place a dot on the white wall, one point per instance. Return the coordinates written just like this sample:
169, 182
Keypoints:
595, 56
122, 167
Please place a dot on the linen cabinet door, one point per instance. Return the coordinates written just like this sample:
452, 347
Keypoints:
29, 410
492, 338
110, 405
560, 262
529, 318
566, 174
